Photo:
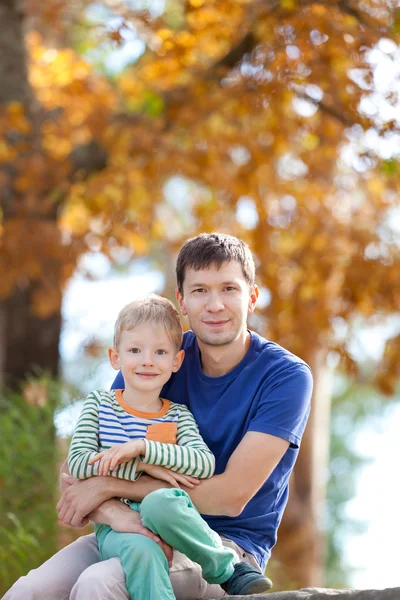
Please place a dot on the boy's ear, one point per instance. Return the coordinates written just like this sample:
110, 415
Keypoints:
114, 358
178, 360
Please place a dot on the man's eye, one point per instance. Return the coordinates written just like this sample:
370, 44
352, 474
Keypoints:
199, 290
161, 351
134, 350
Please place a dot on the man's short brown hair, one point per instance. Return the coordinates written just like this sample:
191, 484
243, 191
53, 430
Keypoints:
153, 309
209, 249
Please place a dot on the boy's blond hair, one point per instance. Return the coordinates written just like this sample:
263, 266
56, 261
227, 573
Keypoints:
152, 309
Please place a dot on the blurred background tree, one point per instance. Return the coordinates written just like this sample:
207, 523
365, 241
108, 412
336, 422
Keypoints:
127, 126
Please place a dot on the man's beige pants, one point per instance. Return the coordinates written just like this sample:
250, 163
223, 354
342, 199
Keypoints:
77, 573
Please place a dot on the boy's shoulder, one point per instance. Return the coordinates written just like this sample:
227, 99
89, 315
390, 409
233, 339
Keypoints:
100, 395
180, 409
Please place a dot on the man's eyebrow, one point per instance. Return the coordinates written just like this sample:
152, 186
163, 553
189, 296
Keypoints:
233, 282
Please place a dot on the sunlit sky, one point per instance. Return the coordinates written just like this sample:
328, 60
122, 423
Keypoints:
90, 308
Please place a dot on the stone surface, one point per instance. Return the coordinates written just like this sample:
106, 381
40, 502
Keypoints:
326, 594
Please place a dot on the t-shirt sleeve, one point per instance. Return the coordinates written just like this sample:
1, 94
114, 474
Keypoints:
285, 404
118, 383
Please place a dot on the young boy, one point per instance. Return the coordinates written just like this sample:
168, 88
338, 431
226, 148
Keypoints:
123, 433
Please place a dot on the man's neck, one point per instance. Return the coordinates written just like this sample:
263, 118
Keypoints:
219, 360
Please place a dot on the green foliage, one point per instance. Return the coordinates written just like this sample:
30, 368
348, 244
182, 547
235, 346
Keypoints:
353, 405
28, 467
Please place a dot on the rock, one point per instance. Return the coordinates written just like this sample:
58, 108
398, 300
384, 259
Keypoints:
326, 594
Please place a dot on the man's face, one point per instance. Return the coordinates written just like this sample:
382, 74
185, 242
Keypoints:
217, 302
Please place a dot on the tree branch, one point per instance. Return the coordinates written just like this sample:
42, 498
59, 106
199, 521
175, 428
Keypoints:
326, 108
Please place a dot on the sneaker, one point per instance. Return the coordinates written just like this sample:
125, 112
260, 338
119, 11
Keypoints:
246, 580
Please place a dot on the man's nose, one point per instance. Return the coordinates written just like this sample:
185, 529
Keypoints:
215, 303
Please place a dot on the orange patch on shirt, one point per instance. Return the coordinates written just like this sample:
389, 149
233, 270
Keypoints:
162, 432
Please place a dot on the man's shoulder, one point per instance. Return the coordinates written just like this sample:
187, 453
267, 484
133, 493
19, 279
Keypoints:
189, 340
276, 356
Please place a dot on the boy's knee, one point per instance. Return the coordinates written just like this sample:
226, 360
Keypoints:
162, 503
143, 548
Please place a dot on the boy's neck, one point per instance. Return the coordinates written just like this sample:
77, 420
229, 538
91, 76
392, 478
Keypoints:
143, 401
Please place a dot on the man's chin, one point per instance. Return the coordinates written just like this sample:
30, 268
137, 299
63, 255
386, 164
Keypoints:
216, 339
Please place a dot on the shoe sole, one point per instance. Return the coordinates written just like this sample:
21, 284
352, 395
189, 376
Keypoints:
259, 586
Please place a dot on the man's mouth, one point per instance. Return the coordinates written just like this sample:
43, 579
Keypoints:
216, 323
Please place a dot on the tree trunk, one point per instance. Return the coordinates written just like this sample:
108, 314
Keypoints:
299, 556
13, 65
28, 343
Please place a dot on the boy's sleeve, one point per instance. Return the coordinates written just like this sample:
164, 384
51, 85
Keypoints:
190, 456
85, 445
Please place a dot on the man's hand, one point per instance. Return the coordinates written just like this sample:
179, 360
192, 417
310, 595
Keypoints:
123, 519
121, 453
80, 498
164, 474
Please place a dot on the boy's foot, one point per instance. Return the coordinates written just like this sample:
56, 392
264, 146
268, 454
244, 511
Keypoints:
246, 580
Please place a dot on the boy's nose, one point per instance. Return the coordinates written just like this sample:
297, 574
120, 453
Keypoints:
147, 359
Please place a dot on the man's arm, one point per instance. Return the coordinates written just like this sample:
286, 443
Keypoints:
249, 467
252, 463
94, 499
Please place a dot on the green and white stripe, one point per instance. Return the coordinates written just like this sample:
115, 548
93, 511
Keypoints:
85, 444
190, 456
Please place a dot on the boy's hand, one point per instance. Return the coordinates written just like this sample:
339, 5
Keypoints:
116, 455
168, 475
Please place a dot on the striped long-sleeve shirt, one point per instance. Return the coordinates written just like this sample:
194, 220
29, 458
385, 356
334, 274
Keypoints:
171, 437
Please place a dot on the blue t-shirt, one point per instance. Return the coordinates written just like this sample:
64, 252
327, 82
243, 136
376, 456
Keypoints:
269, 391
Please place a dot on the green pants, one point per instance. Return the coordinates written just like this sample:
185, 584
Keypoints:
170, 514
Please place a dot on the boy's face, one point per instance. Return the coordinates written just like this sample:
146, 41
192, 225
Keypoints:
217, 302
146, 356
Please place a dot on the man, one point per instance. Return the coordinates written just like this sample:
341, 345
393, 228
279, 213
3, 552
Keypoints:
250, 398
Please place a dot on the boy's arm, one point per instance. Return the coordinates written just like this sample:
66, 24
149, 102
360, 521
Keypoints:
248, 468
189, 456
252, 462
85, 445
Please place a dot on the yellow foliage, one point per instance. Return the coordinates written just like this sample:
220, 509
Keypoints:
247, 105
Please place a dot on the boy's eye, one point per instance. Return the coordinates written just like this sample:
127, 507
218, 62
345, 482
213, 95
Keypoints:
160, 351
230, 288
134, 350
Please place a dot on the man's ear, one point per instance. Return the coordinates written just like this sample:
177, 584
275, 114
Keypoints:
114, 358
178, 360
254, 293
181, 302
